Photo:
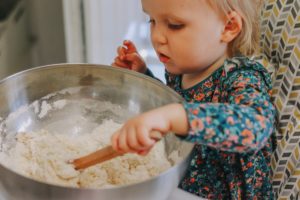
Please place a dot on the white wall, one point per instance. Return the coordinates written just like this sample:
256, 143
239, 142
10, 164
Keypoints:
94, 36
107, 23
74, 31
57, 33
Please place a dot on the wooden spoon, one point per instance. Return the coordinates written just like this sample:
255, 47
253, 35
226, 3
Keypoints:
104, 154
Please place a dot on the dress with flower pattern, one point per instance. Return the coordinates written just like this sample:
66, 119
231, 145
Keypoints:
231, 121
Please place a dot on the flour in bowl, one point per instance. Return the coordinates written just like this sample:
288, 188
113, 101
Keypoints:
43, 156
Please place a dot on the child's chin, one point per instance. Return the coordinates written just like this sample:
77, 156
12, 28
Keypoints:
172, 70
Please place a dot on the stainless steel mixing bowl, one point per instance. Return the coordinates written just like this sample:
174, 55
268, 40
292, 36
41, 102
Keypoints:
134, 92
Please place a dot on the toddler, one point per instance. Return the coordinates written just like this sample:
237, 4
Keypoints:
206, 48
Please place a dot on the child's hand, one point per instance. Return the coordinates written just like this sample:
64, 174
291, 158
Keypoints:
135, 135
129, 58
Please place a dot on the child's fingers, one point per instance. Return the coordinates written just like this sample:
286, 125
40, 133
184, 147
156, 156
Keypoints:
121, 52
131, 48
123, 144
133, 57
137, 63
133, 142
114, 141
117, 62
144, 138
120, 64
144, 152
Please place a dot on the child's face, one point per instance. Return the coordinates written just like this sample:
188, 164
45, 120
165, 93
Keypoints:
186, 34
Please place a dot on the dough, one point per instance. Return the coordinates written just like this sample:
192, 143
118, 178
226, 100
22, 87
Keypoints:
43, 156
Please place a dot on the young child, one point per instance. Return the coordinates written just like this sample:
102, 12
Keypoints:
204, 46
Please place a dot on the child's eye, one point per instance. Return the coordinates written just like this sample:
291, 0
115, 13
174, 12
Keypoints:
175, 26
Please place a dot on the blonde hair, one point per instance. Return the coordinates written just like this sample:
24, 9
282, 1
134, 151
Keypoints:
247, 42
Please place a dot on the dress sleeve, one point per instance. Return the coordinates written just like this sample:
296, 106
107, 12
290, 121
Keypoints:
149, 73
243, 124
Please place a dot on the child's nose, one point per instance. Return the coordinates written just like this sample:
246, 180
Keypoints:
158, 36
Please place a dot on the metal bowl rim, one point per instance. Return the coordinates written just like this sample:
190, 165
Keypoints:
85, 65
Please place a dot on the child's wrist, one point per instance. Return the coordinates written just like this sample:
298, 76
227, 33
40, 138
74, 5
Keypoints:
178, 119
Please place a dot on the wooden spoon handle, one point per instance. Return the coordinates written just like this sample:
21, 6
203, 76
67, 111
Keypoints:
104, 154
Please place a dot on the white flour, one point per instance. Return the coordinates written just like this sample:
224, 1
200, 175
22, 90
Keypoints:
42, 156
70, 132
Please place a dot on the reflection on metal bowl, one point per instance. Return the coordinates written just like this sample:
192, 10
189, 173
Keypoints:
134, 92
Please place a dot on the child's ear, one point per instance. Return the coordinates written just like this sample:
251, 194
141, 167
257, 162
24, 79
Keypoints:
233, 27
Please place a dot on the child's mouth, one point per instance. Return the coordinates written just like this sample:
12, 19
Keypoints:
163, 58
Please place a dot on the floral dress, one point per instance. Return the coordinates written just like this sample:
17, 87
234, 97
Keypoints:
231, 120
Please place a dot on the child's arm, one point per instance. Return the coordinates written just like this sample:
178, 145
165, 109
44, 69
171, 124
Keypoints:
134, 136
242, 125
